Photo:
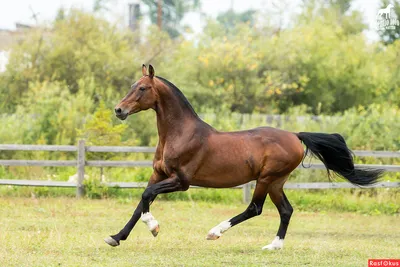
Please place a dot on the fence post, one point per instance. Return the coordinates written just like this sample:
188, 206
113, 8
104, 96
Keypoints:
247, 192
80, 191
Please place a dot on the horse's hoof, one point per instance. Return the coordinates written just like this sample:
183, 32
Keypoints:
111, 241
217, 231
271, 247
155, 230
212, 236
276, 244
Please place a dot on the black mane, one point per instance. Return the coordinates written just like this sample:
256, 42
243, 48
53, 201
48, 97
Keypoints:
177, 93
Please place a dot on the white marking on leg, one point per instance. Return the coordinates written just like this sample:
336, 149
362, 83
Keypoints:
217, 231
148, 219
277, 243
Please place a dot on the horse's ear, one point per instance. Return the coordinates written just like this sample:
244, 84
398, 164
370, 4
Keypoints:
144, 70
151, 71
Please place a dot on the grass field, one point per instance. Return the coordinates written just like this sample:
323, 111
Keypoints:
69, 232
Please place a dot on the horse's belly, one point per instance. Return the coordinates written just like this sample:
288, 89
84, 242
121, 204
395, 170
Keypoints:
223, 174
222, 183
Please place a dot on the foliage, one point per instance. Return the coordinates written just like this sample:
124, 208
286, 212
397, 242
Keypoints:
227, 70
325, 65
57, 56
99, 129
333, 13
95, 189
376, 124
333, 78
99, 5
230, 18
173, 12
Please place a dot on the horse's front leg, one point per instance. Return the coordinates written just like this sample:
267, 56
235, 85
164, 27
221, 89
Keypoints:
114, 240
171, 184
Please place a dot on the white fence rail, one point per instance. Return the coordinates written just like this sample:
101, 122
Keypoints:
80, 163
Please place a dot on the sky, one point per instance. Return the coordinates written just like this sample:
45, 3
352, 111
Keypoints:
22, 10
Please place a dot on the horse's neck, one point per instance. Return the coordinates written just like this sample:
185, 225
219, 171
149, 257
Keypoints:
173, 117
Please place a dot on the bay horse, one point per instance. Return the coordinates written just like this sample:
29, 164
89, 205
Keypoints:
191, 152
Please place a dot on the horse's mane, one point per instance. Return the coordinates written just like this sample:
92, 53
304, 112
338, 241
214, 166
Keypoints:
178, 93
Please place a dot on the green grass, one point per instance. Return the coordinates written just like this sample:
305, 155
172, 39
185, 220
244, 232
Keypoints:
69, 232
363, 201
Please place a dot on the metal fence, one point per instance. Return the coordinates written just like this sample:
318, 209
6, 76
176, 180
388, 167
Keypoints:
80, 163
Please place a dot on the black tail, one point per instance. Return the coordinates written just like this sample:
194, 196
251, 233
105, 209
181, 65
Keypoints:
332, 150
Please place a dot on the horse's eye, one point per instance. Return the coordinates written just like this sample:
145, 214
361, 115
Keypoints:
142, 88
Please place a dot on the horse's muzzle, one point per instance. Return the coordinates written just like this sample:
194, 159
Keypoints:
121, 114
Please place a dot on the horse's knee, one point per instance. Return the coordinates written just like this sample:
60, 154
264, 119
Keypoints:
146, 196
254, 209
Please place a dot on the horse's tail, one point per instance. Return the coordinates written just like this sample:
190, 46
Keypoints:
332, 150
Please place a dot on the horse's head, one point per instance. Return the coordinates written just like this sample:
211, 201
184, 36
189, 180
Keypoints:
390, 6
141, 96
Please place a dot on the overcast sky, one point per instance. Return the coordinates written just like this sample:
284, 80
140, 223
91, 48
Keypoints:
20, 10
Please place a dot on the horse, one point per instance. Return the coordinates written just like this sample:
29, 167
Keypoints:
191, 152
386, 11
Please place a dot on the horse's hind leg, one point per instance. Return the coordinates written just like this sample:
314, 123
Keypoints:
254, 209
281, 202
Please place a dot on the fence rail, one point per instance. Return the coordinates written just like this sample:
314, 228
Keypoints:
80, 163
149, 163
38, 148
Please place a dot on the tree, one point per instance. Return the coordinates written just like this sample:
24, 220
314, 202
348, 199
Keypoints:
334, 12
230, 18
99, 130
60, 14
57, 55
99, 5
173, 12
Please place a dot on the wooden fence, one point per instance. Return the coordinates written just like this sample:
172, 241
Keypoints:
80, 163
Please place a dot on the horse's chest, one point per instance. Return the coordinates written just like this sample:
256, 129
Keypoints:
166, 164
158, 166
171, 157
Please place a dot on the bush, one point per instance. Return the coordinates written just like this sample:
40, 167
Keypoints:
95, 189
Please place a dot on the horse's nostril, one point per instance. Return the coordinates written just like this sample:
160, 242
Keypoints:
118, 111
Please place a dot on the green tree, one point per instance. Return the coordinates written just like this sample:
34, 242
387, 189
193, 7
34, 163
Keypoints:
53, 113
99, 130
60, 14
173, 12
230, 18
334, 13
331, 71
99, 5
80, 46
318, 63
